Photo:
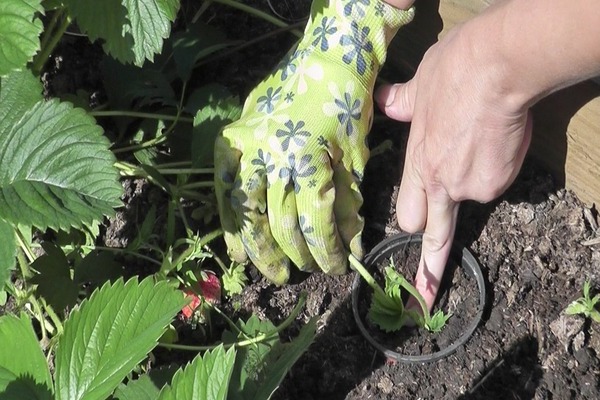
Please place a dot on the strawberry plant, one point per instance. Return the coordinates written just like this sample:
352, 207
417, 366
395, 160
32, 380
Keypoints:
388, 310
80, 328
107, 335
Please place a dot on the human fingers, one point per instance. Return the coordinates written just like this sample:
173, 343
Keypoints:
442, 214
397, 101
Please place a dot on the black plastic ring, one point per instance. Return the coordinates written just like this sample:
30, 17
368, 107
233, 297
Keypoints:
382, 252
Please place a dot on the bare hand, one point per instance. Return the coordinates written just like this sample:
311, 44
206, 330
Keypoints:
467, 140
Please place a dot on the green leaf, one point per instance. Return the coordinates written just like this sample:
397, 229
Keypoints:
54, 281
208, 122
279, 364
234, 281
206, 378
96, 268
387, 309
147, 386
24, 373
250, 359
437, 321
260, 368
57, 170
194, 44
132, 30
19, 91
576, 307
144, 231
126, 84
51, 4
110, 334
207, 94
150, 129
8, 251
586, 289
20, 28
387, 312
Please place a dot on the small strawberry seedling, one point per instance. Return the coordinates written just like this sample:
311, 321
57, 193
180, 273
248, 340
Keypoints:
585, 305
388, 310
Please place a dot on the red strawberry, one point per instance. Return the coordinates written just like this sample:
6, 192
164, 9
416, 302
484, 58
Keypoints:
209, 288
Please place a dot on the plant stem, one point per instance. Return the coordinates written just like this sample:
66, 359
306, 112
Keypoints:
48, 30
27, 251
55, 319
357, 265
197, 185
257, 339
113, 250
171, 222
50, 45
138, 114
177, 171
129, 169
415, 293
218, 260
175, 164
257, 13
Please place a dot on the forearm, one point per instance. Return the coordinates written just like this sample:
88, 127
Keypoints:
536, 47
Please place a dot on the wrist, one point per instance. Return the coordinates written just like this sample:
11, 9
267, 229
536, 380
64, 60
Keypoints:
538, 46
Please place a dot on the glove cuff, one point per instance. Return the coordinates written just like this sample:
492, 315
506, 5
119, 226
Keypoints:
355, 32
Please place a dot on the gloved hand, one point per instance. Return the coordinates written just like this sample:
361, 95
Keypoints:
287, 173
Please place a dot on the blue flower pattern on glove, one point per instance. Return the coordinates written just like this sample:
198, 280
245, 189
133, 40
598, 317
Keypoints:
360, 7
358, 42
323, 32
268, 101
293, 133
293, 171
349, 110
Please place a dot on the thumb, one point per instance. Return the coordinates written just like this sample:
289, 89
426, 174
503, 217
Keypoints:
397, 101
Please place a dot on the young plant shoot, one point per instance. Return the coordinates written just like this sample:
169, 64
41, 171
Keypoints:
387, 309
586, 305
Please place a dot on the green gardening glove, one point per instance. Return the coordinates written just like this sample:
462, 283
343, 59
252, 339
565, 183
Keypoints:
287, 173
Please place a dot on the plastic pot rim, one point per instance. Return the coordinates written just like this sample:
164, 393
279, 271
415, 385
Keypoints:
383, 250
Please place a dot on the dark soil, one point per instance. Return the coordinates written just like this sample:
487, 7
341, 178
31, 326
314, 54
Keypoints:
531, 244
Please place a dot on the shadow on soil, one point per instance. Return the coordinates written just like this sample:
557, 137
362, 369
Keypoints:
514, 375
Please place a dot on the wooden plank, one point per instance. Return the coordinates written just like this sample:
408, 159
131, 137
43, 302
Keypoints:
566, 124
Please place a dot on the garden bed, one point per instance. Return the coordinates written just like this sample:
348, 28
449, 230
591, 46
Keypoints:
534, 246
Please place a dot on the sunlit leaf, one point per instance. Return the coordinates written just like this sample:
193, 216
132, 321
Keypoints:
208, 122
8, 251
24, 373
206, 378
147, 386
131, 30
110, 334
20, 28
57, 171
